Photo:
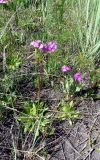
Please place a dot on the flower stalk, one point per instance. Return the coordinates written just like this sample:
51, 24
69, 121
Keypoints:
39, 68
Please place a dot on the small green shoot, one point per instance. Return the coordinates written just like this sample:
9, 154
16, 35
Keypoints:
35, 114
68, 111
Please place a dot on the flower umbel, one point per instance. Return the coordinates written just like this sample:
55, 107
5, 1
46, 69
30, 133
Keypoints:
65, 68
50, 46
3, 1
78, 76
37, 44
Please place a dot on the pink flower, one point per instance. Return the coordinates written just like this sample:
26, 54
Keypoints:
37, 44
45, 48
3, 1
78, 76
50, 46
65, 68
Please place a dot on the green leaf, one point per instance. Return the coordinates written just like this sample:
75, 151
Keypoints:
78, 88
28, 125
22, 118
33, 110
67, 86
70, 122
64, 108
27, 107
71, 104
44, 122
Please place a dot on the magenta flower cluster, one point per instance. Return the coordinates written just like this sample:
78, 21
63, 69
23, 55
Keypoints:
37, 44
3, 1
48, 47
65, 68
77, 76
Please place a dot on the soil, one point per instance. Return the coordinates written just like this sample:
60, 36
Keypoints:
82, 140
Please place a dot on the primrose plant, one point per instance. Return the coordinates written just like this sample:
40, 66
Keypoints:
67, 111
41, 50
36, 118
73, 81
